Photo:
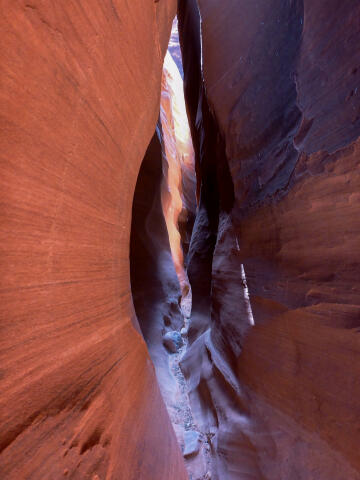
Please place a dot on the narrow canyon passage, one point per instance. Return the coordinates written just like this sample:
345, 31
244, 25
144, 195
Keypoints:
239, 284
180, 240
164, 203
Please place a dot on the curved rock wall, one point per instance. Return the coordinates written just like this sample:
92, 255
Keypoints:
279, 399
178, 187
273, 364
79, 100
154, 283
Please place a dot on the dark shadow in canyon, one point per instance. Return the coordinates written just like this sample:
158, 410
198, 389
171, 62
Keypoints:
154, 283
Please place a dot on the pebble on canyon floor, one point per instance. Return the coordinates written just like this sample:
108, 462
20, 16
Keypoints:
173, 341
184, 331
191, 440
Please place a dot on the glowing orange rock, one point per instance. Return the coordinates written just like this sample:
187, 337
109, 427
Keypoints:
80, 88
179, 154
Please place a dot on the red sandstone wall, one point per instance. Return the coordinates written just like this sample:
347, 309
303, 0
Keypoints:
282, 80
80, 90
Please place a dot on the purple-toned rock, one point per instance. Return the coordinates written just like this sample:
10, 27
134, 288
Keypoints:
173, 341
191, 443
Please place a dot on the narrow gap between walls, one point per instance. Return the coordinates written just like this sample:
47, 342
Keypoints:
164, 210
179, 207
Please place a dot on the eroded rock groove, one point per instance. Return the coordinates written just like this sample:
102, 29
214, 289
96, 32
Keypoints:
261, 381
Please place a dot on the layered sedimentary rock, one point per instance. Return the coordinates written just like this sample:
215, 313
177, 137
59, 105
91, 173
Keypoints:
279, 399
273, 365
80, 92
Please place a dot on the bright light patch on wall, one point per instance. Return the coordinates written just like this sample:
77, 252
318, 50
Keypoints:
247, 298
179, 151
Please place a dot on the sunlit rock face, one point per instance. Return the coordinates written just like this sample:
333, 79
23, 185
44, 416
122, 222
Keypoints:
174, 47
280, 398
79, 101
173, 106
165, 189
178, 186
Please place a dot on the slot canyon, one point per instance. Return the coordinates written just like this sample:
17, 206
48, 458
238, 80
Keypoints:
180, 240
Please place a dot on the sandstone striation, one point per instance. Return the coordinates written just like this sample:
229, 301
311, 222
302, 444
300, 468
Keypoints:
80, 92
97, 210
281, 82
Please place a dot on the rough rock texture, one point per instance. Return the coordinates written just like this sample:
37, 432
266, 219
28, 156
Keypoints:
281, 78
80, 91
173, 341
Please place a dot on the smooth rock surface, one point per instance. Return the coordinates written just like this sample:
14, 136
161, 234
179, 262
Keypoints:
191, 440
281, 79
80, 92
